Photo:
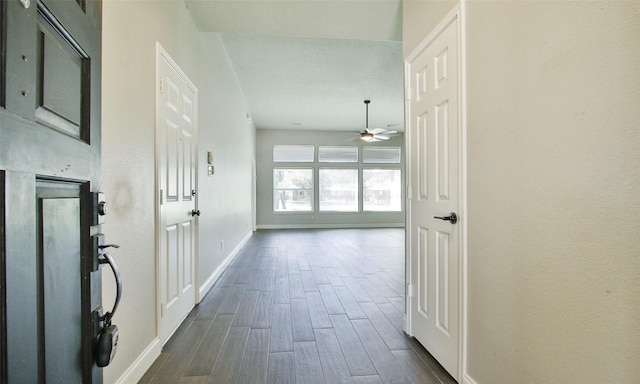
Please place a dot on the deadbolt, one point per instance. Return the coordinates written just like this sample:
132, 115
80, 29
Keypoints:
102, 208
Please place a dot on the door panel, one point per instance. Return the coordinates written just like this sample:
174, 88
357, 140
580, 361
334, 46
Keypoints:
423, 270
3, 274
188, 168
21, 275
63, 70
60, 290
186, 268
49, 164
443, 157
173, 165
177, 132
434, 153
443, 271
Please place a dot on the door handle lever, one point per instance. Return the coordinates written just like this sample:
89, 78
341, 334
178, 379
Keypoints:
103, 246
195, 213
453, 218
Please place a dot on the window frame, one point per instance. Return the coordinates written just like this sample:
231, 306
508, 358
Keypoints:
313, 154
356, 161
357, 194
312, 191
382, 167
360, 166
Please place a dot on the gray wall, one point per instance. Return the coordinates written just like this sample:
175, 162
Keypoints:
130, 32
553, 142
266, 218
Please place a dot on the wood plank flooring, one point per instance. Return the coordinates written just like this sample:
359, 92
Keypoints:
303, 306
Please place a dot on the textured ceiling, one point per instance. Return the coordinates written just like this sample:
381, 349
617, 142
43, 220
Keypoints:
309, 64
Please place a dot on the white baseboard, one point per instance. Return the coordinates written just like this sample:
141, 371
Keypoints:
466, 379
330, 226
141, 365
208, 284
405, 325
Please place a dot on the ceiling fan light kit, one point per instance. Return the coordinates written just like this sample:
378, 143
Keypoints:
366, 136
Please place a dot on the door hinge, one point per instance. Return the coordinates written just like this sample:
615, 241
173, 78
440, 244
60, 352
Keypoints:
409, 290
161, 197
409, 193
161, 85
409, 91
161, 310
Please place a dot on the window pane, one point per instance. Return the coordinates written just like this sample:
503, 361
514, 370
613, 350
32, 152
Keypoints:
339, 190
337, 154
382, 189
292, 190
293, 153
381, 155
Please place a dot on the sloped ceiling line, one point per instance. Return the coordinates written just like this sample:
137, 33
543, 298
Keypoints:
310, 64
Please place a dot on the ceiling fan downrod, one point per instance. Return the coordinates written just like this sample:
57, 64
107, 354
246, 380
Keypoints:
366, 103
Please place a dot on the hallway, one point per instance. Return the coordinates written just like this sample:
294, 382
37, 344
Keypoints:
303, 306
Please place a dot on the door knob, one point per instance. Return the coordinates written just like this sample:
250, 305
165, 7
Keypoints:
453, 218
195, 213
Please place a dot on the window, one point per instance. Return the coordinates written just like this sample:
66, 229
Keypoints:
338, 190
381, 190
338, 179
381, 155
293, 153
343, 154
292, 189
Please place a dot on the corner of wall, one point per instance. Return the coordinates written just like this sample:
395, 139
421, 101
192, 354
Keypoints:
215, 275
466, 379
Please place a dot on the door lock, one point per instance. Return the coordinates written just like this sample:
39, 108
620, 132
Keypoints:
99, 205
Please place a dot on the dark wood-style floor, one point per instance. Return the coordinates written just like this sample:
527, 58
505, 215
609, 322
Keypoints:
303, 306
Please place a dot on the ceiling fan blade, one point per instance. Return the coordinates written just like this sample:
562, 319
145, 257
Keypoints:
376, 131
381, 137
391, 133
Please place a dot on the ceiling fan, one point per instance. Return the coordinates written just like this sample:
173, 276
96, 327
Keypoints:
375, 134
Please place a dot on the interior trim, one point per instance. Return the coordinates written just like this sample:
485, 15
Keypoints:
143, 362
3, 54
211, 280
330, 226
3, 290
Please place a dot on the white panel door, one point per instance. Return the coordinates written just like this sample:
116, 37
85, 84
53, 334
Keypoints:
176, 156
434, 244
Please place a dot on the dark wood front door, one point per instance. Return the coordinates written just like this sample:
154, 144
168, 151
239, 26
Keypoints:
49, 167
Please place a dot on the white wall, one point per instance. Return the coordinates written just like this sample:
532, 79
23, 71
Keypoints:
130, 31
418, 19
553, 90
268, 219
225, 197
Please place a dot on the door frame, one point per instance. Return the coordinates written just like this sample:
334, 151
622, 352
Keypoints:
162, 54
254, 193
457, 14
